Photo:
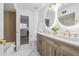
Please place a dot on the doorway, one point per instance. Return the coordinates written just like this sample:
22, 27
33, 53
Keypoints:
24, 29
10, 26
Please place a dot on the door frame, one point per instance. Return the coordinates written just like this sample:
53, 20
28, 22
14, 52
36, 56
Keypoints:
20, 12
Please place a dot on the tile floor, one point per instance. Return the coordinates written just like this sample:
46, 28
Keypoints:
27, 50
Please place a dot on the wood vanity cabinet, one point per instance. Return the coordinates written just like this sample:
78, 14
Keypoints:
41, 45
52, 47
45, 47
60, 52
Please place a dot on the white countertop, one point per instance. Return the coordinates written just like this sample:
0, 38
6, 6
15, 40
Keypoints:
74, 42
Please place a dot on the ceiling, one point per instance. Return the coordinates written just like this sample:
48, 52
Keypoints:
29, 6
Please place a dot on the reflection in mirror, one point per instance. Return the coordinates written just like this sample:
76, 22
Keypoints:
68, 14
50, 15
68, 20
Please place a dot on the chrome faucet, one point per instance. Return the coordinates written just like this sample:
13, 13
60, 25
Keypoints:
67, 32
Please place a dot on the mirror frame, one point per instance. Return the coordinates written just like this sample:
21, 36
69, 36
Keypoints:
67, 27
45, 17
56, 20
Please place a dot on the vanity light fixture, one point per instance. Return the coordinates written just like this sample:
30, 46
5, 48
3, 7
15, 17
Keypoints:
52, 6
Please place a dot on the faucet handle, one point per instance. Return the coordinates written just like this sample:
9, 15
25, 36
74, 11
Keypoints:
67, 32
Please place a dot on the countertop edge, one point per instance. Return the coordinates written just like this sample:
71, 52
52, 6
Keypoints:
60, 39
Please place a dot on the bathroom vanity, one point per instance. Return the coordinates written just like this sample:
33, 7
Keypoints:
50, 45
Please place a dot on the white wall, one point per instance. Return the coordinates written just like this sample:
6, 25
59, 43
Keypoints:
33, 19
1, 21
41, 25
36, 19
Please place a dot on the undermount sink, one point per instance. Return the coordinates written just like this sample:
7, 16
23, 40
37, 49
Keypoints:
72, 38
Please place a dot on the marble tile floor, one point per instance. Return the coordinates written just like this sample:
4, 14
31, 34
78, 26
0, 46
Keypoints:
27, 50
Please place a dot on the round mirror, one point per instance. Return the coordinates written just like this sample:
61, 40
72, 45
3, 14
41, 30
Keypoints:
50, 15
68, 14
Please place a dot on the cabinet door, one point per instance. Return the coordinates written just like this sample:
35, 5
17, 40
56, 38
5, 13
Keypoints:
53, 50
59, 52
10, 26
39, 44
44, 46
50, 50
